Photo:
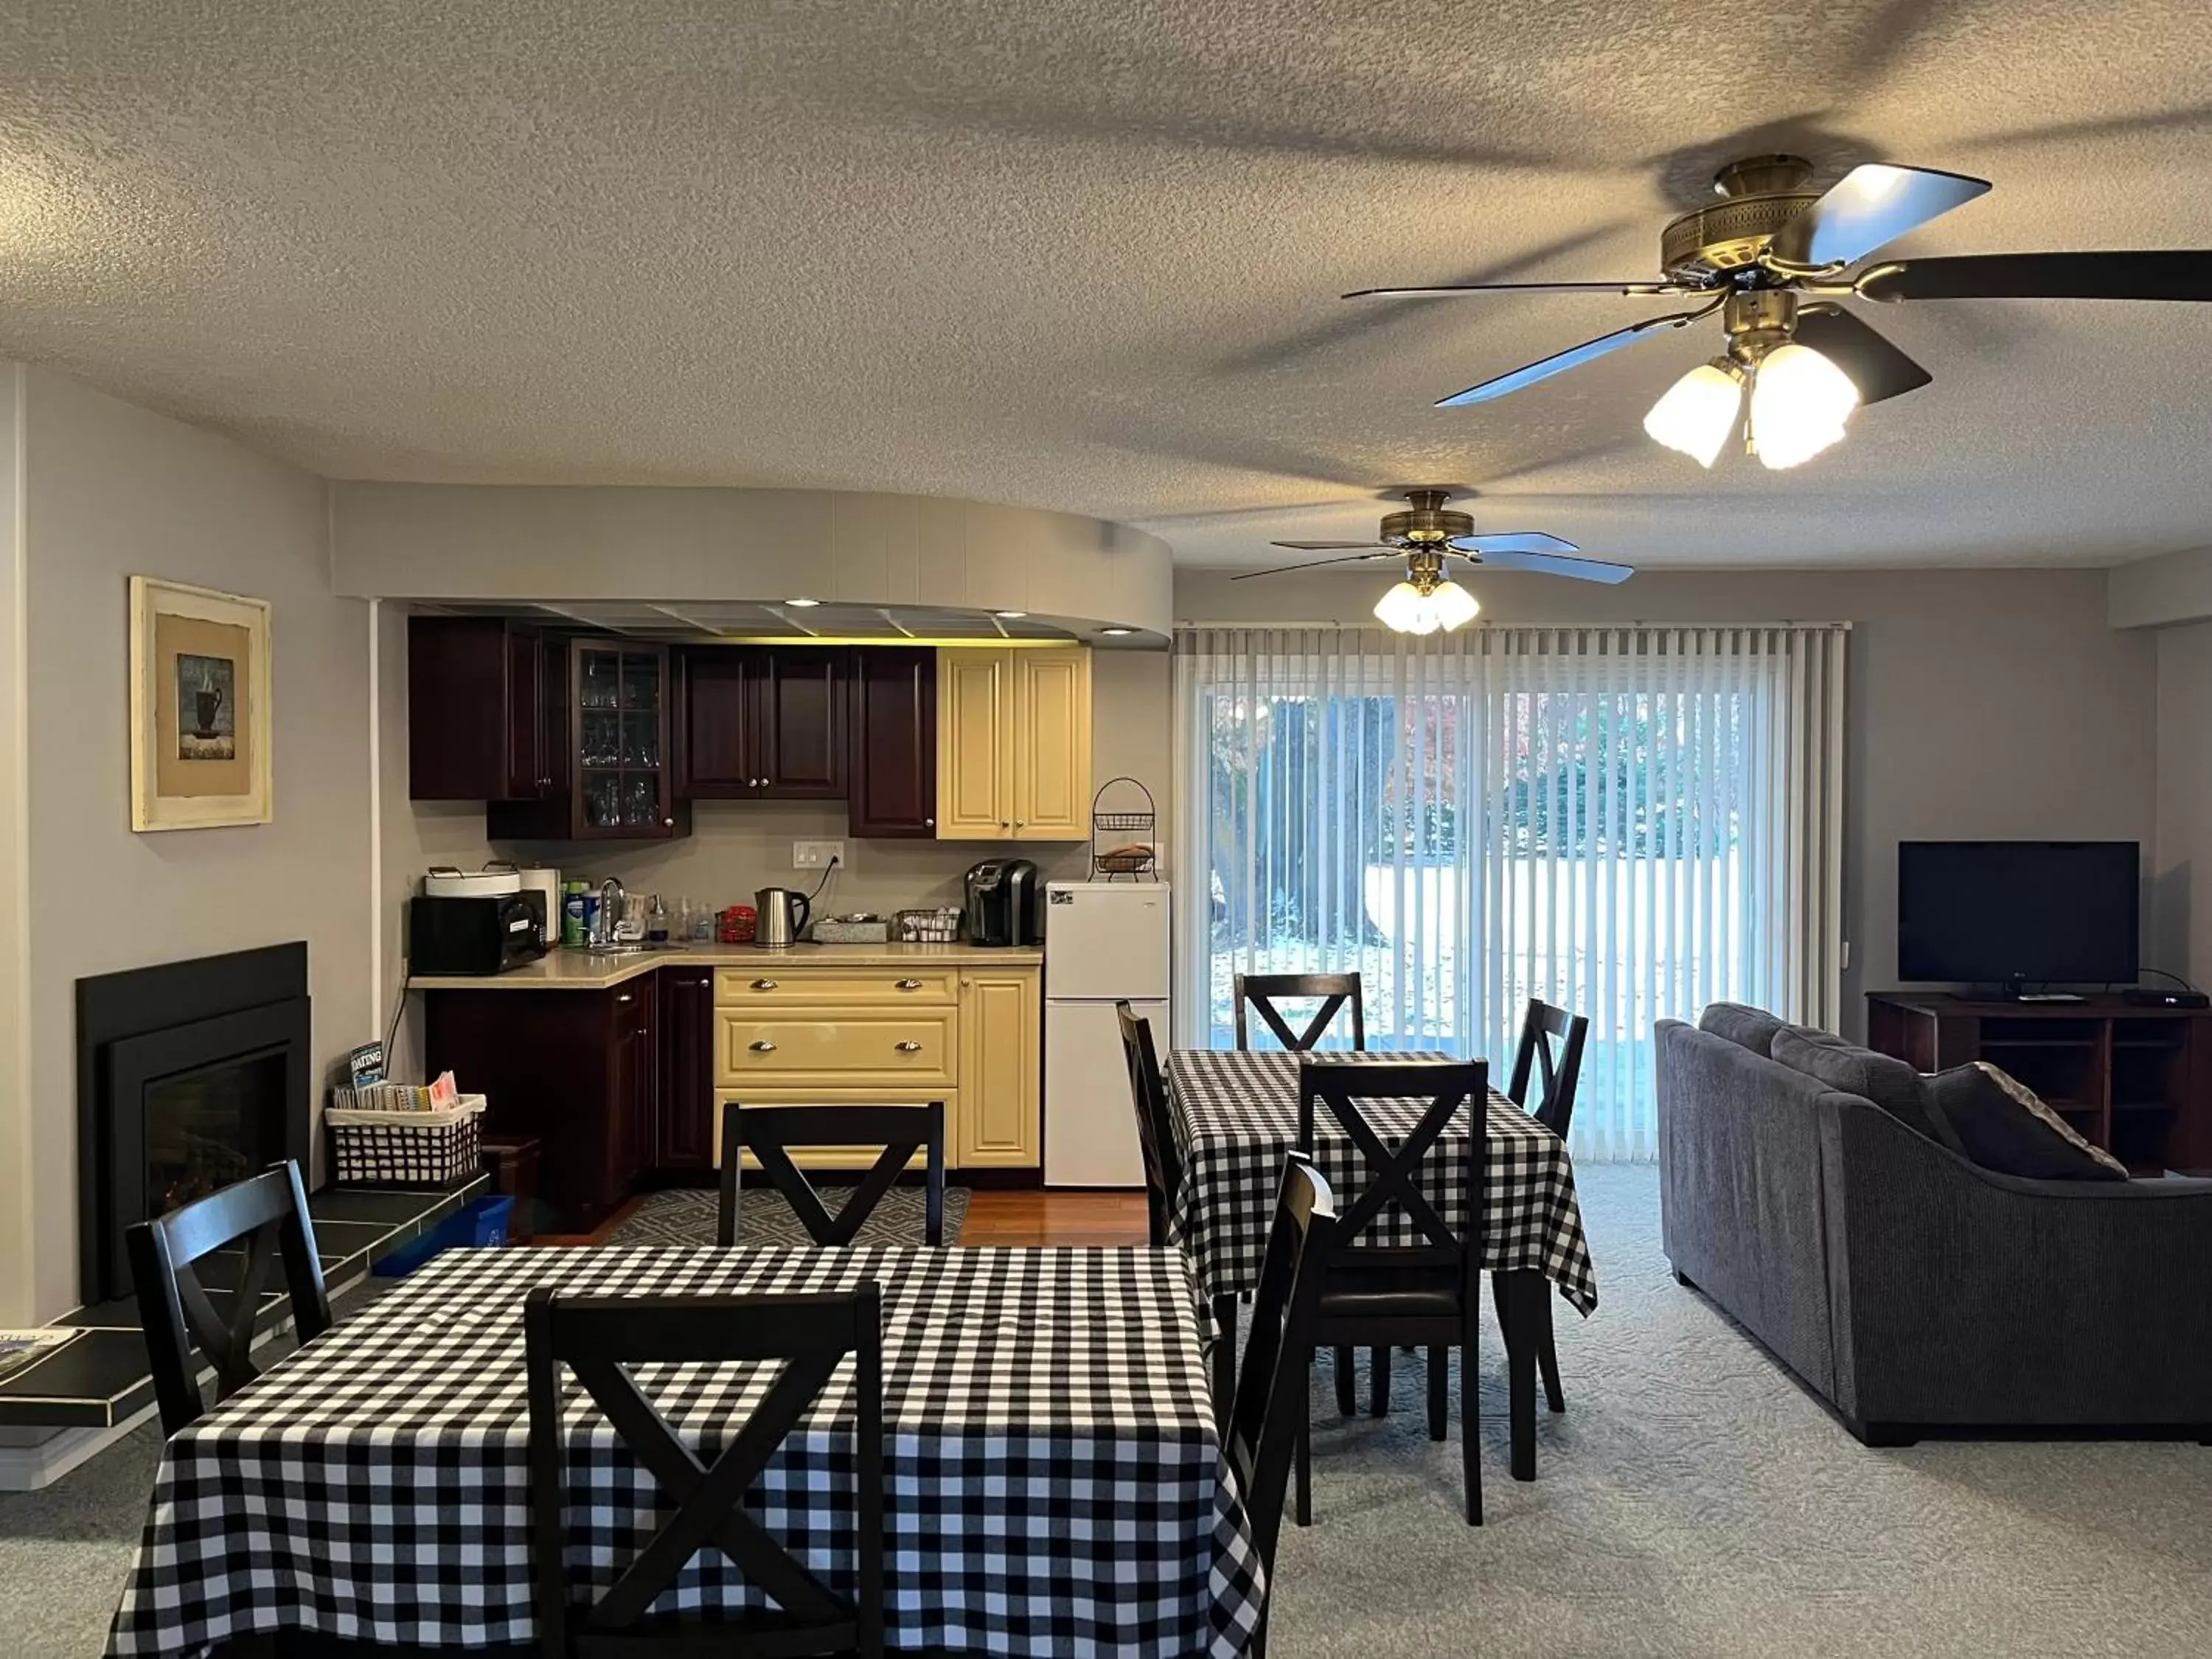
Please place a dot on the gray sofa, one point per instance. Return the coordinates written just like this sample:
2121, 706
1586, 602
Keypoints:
1914, 1291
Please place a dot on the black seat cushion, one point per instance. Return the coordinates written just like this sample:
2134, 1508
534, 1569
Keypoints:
1889, 1083
2002, 1125
1744, 1026
1379, 1288
1361, 1304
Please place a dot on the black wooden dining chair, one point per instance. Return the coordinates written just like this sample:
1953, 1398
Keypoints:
1424, 1294
1549, 1061
769, 1131
596, 1338
1148, 1094
1271, 1400
1336, 992
268, 1215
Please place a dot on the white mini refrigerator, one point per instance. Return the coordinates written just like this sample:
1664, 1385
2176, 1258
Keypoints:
1104, 942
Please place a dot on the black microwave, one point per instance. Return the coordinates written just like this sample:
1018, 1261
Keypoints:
486, 935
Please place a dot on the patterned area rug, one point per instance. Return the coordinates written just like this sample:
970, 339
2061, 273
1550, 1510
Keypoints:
687, 1216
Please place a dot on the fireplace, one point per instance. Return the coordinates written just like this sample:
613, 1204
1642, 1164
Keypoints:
189, 1076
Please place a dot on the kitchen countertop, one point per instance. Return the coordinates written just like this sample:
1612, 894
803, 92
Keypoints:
578, 971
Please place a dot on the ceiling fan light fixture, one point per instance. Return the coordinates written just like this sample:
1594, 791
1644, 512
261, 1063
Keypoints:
1799, 403
1406, 610
1698, 412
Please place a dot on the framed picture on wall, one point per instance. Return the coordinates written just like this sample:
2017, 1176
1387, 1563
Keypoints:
199, 708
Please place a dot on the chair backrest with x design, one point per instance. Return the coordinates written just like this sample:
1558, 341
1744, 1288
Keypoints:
597, 1337
1272, 1386
769, 1131
1336, 991
268, 1214
1155, 1130
1393, 1173
1551, 1054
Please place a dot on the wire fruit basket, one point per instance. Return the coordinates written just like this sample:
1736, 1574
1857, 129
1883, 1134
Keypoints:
1122, 840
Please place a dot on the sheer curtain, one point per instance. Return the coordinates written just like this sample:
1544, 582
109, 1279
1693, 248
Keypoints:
1630, 823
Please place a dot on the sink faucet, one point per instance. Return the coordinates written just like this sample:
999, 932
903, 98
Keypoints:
611, 898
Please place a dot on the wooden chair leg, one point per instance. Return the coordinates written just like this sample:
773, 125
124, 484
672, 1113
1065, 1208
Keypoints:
1470, 1426
1346, 1401
1548, 1357
1225, 1360
1378, 1381
1303, 1508
1439, 1391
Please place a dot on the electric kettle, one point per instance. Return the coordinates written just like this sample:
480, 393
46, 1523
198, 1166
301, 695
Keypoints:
783, 914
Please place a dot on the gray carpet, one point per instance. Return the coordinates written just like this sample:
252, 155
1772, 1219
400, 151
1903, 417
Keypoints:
1694, 1503
687, 1216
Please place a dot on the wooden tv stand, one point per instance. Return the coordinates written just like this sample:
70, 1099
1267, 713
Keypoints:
2136, 1081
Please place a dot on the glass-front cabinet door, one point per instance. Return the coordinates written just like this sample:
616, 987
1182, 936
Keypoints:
621, 742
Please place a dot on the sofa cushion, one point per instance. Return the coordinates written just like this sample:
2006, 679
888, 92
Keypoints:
2002, 1125
1744, 1026
1889, 1083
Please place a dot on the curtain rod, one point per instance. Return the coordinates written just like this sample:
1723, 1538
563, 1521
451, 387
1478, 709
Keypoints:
1372, 626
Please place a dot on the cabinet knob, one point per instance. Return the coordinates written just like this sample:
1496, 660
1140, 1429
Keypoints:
764, 985
1003, 824
929, 823
624, 997
1020, 824
763, 1047
668, 824
909, 985
908, 1047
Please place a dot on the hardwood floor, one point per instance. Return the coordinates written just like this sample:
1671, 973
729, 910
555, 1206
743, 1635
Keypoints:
1002, 1216
1031, 1215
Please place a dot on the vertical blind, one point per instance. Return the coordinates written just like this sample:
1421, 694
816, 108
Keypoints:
1630, 823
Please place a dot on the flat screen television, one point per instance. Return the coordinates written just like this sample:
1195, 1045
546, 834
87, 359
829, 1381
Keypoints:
2017, 913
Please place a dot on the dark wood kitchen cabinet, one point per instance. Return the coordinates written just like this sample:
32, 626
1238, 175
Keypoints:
609, 778
687, 1068
486, 708
892, 694
577, 1071
762, 723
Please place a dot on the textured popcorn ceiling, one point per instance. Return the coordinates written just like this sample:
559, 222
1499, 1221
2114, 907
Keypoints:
1084, 256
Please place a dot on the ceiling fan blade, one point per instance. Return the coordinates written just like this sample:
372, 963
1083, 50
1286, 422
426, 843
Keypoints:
1442, 290
2158, 274
1513, 541
1325, 547
1876, 366
1283, 569
1573, 357
1869, 206
1556, 564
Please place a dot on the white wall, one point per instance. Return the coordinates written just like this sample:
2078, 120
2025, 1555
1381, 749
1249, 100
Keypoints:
1979, 704
111, 490
17, 1220
2182, 908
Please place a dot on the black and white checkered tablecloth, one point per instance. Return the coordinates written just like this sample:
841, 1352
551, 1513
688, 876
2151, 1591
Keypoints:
1236, 1115
1056, 1482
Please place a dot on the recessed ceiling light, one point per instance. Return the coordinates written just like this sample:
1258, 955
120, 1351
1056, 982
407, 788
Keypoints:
1011, 616
803, 605
1117, 632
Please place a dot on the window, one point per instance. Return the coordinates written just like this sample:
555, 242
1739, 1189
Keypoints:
1622, 821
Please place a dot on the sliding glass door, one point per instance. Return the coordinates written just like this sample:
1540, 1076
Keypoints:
1628, 823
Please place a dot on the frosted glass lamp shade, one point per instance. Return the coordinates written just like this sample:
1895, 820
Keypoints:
1453, 606
1698, 413
1406, 610
1800, 402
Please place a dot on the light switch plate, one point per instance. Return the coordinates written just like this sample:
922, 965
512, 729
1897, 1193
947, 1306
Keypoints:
816, 854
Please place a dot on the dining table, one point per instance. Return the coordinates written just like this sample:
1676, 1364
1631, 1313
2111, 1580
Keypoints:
1056, 1484
1234, 1113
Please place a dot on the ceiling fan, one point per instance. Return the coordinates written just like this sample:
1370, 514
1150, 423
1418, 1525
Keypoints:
1771, 259
1425, 534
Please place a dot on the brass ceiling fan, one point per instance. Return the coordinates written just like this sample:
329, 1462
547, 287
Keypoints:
1772, 260
1426, 533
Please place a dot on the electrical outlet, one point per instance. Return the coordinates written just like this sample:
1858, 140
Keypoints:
816, 854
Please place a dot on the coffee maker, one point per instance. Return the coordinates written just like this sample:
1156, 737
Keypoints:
1002, 902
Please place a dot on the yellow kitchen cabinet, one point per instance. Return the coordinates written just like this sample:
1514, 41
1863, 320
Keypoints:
999, 1119
1013, 743
789, 1035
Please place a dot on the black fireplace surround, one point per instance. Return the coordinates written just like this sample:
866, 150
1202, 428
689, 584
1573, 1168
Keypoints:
190, 1075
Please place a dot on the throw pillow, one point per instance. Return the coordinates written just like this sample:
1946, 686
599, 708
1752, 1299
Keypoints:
1746, 1027
1888, 1082
2002, 1125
